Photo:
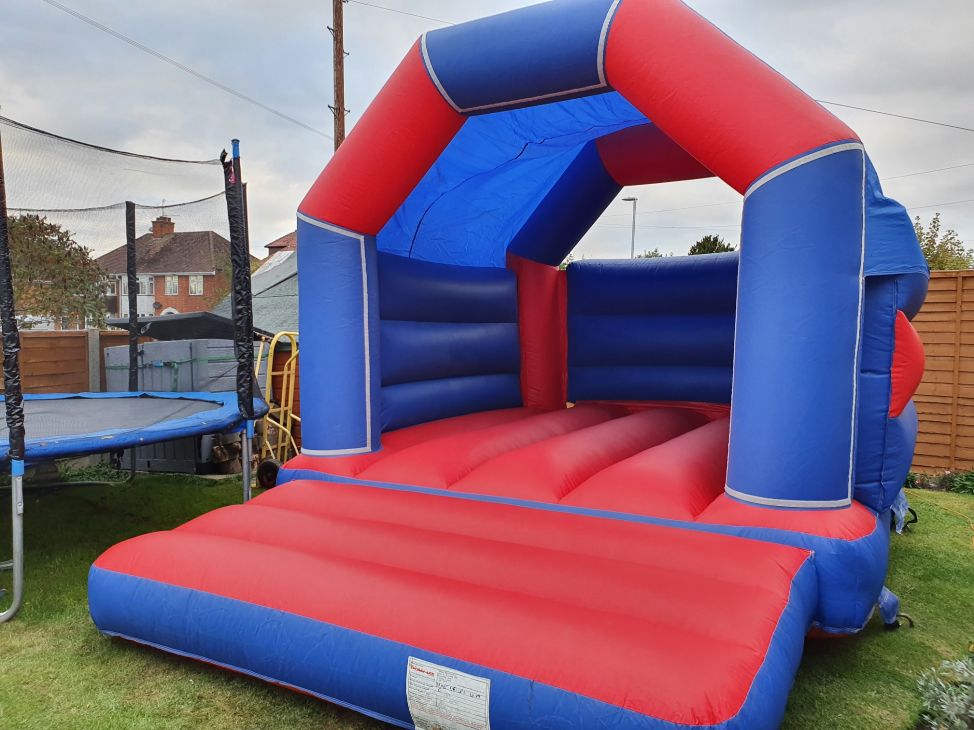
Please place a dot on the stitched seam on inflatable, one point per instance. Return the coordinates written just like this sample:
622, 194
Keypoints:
432, 74
603, 39
796, 163
857, 355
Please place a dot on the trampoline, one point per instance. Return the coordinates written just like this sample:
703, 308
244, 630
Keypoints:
43, 427
62, 425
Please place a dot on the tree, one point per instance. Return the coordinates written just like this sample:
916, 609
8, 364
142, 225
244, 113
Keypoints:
653, 254
710, 244
54, 277
943, 251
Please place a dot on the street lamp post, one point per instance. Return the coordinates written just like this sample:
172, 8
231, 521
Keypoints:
632, 247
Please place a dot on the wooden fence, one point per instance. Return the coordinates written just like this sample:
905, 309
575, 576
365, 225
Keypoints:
65, 361
945, 399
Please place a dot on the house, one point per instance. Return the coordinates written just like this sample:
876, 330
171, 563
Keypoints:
287, 242
179, 271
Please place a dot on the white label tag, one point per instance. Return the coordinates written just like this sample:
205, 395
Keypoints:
441, 698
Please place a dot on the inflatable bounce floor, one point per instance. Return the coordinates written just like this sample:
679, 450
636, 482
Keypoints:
616, 496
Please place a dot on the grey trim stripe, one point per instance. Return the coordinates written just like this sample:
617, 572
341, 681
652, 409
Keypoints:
336, 452
365, 332
436, 79
329, 226
368, 351
771, 502
856, 356
603, 38
542, 97
811, 157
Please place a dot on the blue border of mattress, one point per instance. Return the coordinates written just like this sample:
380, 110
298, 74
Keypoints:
226, 417
360, 671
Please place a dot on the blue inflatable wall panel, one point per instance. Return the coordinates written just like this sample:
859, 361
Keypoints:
339, 369
798, 333
652, 329
568, 211
885, 446
449, 340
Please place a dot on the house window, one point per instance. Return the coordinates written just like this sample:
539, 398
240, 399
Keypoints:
111, 287
196, 285
172, 285
147, 286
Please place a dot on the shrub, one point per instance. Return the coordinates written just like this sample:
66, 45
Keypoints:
961, 482
947, 693
100, 472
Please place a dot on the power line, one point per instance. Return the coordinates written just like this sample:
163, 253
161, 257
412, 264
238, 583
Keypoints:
898, 116
401, 12
738, 202
182, 67
927, 172
820, 101
682, 228
939, 205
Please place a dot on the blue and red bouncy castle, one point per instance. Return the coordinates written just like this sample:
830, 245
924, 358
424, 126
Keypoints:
616, 496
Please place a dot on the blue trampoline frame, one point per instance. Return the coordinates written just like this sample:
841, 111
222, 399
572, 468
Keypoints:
224, 419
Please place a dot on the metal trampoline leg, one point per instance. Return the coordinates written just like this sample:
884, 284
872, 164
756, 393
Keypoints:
17, 564
246, 442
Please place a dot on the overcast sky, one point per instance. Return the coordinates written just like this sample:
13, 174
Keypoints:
56, 73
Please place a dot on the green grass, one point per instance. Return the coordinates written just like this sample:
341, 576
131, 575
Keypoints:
57, 671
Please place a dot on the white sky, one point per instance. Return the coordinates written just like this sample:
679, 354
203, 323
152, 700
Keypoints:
56, 73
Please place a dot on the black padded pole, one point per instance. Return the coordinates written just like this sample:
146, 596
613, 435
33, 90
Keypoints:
240, 294
131, 276
13, 395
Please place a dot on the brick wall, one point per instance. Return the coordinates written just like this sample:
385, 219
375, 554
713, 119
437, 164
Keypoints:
214, 288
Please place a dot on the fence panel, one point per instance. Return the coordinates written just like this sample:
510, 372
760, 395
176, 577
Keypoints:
945, 399
54, 362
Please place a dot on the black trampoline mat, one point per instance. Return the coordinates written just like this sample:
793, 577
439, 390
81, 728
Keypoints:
59, 417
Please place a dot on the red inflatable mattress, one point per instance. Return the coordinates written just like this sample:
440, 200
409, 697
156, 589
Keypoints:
384, 600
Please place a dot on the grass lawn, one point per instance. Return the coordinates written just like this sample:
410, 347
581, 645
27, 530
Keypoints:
57, 671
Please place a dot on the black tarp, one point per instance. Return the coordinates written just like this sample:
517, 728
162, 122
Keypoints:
188, 326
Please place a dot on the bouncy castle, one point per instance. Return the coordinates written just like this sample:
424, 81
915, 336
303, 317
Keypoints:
616, 496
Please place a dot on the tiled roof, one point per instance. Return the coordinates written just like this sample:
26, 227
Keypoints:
182, 252
287, 242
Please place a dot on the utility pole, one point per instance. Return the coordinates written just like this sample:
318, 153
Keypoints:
632, 246
338, 62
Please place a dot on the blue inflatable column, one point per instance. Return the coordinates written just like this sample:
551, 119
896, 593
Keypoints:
797, 340
339, 336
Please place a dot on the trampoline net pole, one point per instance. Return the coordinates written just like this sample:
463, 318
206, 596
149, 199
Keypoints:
241, 304
14, 405
131, 276
133, 299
